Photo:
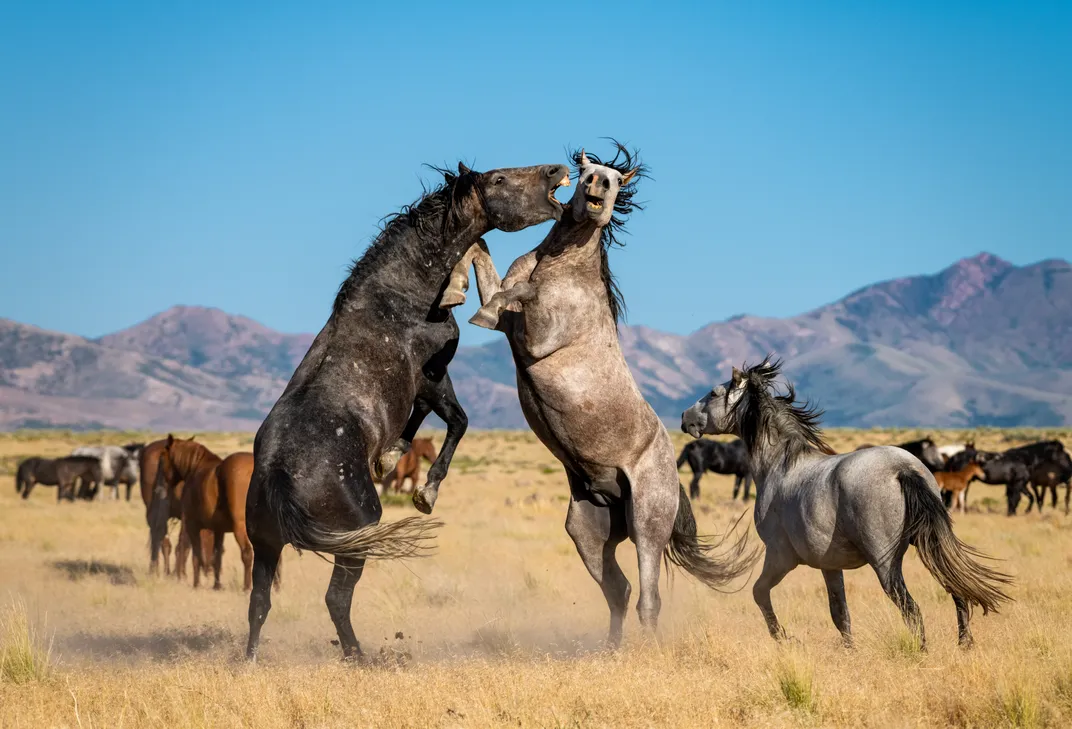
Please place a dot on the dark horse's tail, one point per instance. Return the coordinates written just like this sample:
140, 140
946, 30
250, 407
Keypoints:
952, 562
403, 539
692, 552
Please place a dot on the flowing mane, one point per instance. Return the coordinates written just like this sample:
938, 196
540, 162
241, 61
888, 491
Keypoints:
761, 411
624, 161
434, 214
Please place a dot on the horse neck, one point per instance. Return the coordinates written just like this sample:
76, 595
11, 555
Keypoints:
571, 244
770, 449
412, 269
192, 459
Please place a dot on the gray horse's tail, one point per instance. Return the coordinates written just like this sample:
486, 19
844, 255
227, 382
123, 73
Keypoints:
403, 539
692, 552
952, 562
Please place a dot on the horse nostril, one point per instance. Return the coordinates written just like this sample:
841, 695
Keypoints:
606, 183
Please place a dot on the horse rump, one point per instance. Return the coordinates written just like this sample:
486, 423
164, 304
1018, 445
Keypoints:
403, 539
693, 552
953, 563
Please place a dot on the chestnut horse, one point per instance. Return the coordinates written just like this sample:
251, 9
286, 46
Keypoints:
409, 465
956, 483
148, 458
214, 499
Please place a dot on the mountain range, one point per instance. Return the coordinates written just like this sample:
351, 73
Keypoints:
981, 343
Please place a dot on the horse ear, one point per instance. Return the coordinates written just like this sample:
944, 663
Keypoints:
584, 158
170, 439
462, 169
737, 376
629, 176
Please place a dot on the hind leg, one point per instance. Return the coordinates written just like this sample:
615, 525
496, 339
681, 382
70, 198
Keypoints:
217, 559
778, 561
839, 606
339, 598
265, 568
964, 636
891, 578
193, 536
246, 550
596, 532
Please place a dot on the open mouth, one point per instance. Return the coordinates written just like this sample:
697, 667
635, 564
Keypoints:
564, 182
595, 203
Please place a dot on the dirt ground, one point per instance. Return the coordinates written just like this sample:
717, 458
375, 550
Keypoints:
503, 627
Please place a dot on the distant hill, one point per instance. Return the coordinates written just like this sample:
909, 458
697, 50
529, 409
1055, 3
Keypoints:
983, 342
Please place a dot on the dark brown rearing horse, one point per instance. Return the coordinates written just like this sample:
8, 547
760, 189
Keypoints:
214, 499
409, 465
149, 458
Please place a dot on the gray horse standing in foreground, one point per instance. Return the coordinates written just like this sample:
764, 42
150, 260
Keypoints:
558, 307
838, 512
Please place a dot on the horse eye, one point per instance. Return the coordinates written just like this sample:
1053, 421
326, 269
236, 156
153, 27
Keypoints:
619, 182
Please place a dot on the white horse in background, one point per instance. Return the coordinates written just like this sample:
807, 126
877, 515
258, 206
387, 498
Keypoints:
118, 465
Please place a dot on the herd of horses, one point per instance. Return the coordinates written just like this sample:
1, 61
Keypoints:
1024, 471
379, 366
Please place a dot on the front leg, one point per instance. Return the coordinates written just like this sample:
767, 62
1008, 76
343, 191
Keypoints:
387, 461
444, 403
458, 283
487, 316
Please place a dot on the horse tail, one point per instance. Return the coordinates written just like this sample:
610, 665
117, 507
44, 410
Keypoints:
403, 539
692, 552
952, 562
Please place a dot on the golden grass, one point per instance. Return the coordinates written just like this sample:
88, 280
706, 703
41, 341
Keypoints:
503, 626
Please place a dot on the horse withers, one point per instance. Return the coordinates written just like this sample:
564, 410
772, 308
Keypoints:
838, 512
371, 376
559, 306
64, 473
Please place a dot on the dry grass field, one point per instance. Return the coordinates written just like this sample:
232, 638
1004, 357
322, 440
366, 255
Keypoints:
503, 627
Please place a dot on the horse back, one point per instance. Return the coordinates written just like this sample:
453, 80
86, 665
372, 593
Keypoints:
233, 476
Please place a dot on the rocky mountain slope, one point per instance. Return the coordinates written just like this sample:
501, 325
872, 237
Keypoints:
982, 342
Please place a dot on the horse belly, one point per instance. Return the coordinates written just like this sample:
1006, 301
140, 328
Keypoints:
583, 414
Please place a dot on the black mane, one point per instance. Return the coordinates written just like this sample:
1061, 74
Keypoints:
434, 214
761, 411
623, 162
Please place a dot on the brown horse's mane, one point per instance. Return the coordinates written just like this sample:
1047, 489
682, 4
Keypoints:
624, 161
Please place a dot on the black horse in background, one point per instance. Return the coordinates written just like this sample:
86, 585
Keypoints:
63, 473
924, 449
1015, 467
726, 458
372, 374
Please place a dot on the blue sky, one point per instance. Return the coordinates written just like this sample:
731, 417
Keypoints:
238, 155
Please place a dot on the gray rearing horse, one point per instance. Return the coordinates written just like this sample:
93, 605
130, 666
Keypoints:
840, 512
558, 307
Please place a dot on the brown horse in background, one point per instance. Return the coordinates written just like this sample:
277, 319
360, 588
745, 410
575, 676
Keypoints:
148, 460
956, 483
214, 499
409, 465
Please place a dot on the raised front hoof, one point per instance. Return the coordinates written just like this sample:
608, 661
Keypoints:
484, 318
424, 499
387, 462
451, 298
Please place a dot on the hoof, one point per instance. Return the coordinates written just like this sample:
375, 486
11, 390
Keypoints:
388, 461
424, 499
484, 318
451, 298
